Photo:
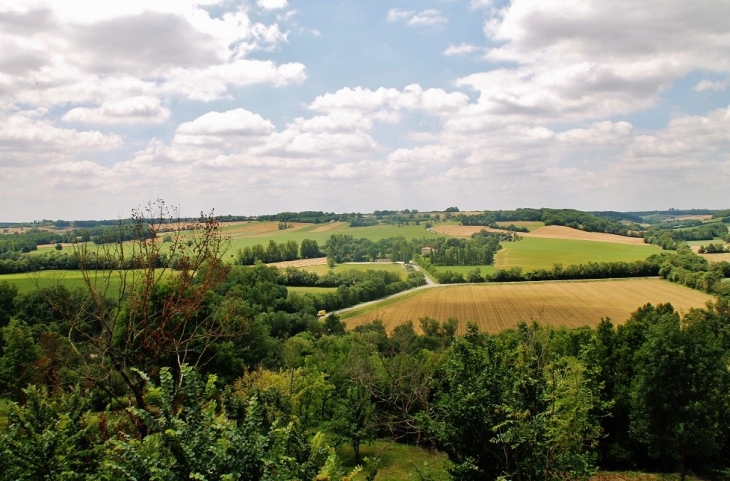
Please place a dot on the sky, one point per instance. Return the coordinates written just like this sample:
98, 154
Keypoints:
254, 107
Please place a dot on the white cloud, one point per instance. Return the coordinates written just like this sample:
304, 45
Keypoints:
231, 128
461, 49
395, 14
129, 110
704, 85
26, 135
424, 18
272, 4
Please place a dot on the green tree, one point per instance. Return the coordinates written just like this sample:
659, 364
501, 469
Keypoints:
680, 391
8, 293
18, 361
354, 420
309, 249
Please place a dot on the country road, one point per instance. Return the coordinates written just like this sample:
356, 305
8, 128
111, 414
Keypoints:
429, 284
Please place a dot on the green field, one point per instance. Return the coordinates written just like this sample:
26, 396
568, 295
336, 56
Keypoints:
464, 270
310, 290
536, 253
31, 280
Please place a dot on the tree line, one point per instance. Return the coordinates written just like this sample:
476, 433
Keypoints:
565, 217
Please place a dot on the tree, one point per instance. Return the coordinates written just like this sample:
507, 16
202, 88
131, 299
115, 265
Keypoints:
8, 293
309, 249
17, 363
679, 394
159, 316
354, 420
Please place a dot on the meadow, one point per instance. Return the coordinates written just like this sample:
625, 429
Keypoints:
31, 281
495, 307
532, 253
310, 290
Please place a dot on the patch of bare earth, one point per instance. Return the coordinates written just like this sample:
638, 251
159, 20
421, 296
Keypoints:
561, 232
319, 261
327, 227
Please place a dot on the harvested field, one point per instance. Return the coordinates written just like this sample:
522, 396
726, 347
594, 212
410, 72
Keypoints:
462, 230
561, 232
318, 261
544, 232
259, 229
328, 227
725, 256
495, 307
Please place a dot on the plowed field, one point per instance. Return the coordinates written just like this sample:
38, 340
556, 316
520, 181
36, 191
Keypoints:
495, 307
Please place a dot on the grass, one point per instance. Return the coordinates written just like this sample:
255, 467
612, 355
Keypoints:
538, 253
311, 290
397, 461
465, 270
71, 279
495, 307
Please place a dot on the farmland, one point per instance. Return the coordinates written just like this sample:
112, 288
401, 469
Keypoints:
249, 234
541, 253
497, 307
389, 267
71, 279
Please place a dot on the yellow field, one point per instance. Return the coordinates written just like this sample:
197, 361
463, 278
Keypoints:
495, 307
561, 232
544, 232
318, 261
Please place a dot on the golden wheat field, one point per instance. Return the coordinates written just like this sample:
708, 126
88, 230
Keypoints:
495, 307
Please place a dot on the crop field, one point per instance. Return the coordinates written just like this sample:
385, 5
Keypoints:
71, 279
386, 266
495, 307
532, 253
464, 270
311, 290
561, 232
300, 263
253, 233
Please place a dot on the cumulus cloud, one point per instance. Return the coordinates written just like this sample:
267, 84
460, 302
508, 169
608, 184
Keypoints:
28, 134
233, 127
